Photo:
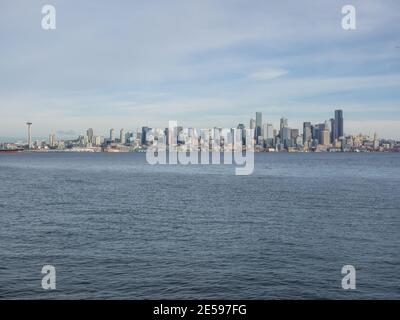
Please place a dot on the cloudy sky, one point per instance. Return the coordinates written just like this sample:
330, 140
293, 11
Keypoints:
204, 63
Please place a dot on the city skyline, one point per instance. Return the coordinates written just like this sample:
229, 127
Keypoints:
325, 136
209, 63
255, 123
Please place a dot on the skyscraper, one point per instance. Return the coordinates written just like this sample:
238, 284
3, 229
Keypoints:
286, 137
29, 124
122, 136
321, 128
258, 124
270, 135
166, 133
270, 131
307, 135
327, 125
90, 134
294, 133
338, 124
325, 138
376, 141
315, 133
97, 140
333, 130
252, 124
145, 131
242, 128
112, 135
52, 140
265, 131
283, 124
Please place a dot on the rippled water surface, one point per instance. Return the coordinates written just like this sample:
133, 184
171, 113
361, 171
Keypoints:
116, 227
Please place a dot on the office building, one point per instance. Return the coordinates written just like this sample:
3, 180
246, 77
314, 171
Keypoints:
52, 140
270, 131
294, 133
122, 136
307, 135
325, 137
90, 134
258, 125
265, 131
143, 137
29, 124
242, 128
252, 124
112, 135
283, 124
333, 130
286, 136
338, 124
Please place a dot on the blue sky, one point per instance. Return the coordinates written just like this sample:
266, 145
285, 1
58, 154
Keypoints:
124, 64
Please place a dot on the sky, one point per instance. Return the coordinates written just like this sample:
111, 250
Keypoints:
203, 63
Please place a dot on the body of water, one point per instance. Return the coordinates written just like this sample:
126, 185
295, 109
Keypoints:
116, 227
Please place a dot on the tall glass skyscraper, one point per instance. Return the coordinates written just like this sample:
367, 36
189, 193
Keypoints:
242, 127
145, 130
258, 124
338, 124
283, 124
333, 130
307, 134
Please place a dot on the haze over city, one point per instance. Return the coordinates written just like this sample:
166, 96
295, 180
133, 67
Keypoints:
203, 64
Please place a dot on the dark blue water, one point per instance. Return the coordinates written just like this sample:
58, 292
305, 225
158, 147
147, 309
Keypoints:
115, 227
